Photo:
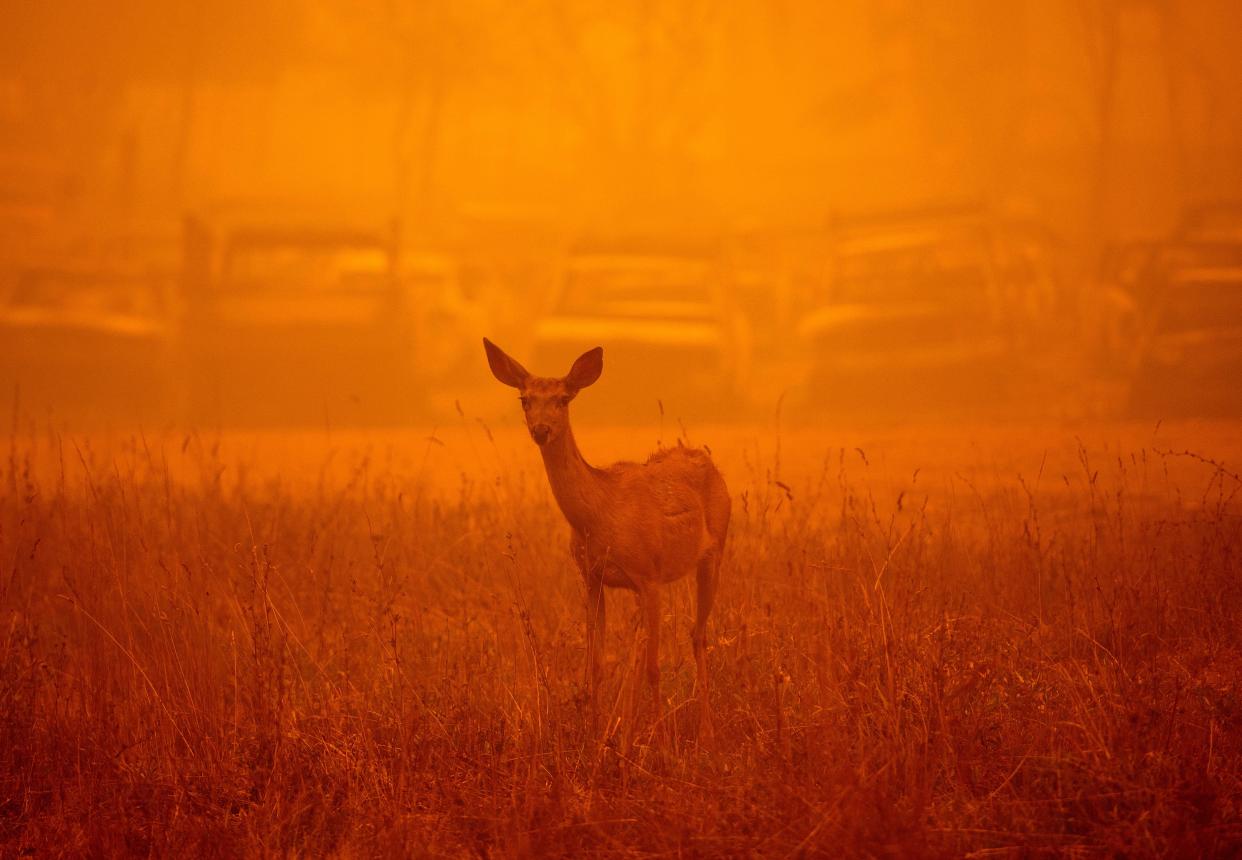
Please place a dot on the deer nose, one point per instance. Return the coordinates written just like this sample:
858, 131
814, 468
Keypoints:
539, 433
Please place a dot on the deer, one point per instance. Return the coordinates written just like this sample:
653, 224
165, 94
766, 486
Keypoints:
633, 526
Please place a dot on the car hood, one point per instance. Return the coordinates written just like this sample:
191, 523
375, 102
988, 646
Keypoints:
262, 311
114, 324
1214, 341
854, 316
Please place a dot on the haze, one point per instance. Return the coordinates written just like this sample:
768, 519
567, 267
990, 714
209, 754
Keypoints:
898, 516
487, 143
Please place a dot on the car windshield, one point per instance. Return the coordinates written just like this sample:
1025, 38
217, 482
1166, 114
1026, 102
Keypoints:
428, 277
84, 294
1146, 271
638, 287
307, 269
1203, 299
948, 270
1223, 223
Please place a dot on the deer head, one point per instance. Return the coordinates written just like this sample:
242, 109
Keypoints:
545, 399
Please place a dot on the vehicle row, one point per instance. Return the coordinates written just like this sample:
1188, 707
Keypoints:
1171, 324
320, 320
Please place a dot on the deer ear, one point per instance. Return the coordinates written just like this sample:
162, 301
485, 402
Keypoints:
503, 367
586, 369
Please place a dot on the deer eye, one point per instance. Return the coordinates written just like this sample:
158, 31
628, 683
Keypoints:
525, 401
564, 399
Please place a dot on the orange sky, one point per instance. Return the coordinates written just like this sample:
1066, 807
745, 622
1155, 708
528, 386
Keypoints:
736, 114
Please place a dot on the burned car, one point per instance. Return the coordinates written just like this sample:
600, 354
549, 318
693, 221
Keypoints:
449, 318
1218, 222
1178, 342
297, 323
928, 315
87, 344
663, 314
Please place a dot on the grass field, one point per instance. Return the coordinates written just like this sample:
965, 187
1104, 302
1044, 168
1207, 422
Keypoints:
935, 641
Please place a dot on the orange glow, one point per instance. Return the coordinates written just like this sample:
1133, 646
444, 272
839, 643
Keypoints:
951, 293
798, 152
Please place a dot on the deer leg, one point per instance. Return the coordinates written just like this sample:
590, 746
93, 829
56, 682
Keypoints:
596, 624
708, 576
650, 598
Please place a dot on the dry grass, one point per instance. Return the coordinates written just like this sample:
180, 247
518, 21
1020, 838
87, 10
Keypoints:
206, 652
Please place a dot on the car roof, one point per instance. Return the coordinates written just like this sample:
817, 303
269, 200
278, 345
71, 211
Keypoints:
306, 236
641, 245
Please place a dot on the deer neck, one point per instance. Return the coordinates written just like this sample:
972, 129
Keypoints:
577, 486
